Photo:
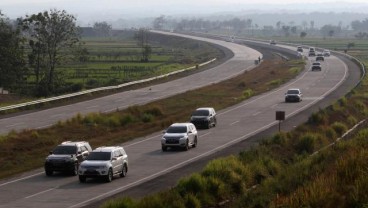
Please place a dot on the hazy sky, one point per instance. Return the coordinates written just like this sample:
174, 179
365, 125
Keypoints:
92, 10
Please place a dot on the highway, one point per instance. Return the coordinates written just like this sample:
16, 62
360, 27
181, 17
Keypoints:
146, 159
243, 60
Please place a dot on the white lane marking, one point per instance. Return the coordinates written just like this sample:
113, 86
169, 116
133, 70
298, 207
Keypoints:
142, 141
20, 179
234, 123
40, 193
94, 106
254, 114
45, 126
208, 133
273, 106
16, 124
57, 115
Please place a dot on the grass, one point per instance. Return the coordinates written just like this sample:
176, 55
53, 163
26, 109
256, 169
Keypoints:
29, 147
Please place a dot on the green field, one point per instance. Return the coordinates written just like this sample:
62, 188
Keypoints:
117, 60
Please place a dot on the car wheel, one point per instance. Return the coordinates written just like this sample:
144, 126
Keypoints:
75, 170
215, 123
164, 148
209, 125
124, 171
186, 148
195, 142
49, 172
82, 179
109, 176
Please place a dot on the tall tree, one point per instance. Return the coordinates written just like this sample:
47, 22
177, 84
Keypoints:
12, 63
56, 33
142, 40
102, 28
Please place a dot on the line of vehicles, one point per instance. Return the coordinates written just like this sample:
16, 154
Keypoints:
78, 158
106, 162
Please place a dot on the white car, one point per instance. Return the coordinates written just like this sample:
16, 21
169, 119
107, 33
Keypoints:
293, 95
182, 135
105, 162
326, 53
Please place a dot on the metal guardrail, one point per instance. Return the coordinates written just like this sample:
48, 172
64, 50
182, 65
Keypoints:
22, 105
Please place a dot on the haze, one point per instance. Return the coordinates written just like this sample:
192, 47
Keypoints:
89, 11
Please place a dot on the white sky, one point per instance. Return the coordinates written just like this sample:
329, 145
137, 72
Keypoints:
89, 10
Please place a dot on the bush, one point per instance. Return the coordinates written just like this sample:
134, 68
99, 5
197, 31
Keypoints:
125, 202
247, 93
339, 128
126, 119
319, 118
147, 117
306, 143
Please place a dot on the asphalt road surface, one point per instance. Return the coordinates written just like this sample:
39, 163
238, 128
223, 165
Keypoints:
147, 161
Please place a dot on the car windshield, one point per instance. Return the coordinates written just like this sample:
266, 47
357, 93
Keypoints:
201, 113
65, 150
99, 156
293, 92
177, 129
316, 63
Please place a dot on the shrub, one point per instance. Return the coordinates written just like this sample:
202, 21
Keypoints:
319, 118
247, 93
147, 117
306, 143
155, 111
339, 128
191, 201
125, 202
126, 119
331, 133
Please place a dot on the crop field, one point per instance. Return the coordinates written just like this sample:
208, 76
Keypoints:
114, 61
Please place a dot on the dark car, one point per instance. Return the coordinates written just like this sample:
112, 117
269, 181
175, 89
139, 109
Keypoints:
320, 57
316, 66
204, 118
66, 157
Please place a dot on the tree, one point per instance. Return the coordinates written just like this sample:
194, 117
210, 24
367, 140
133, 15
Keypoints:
158, 23
12, 62
56, 33
303, 34
102, 28
142, 40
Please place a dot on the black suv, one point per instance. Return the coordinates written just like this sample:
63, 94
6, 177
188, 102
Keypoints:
204, 117
66, 157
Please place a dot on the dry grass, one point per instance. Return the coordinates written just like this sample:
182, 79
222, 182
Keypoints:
30, 147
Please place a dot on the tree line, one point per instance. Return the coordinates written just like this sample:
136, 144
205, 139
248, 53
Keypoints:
248, 26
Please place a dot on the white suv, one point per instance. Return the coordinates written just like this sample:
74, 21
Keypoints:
180, 135
104, 162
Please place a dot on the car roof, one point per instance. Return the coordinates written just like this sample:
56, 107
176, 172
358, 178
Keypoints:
106, 149
181, 124
205, 108
294, 89
70, 143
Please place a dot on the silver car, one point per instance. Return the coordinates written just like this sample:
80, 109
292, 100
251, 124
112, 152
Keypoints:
105, 162
183, 135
